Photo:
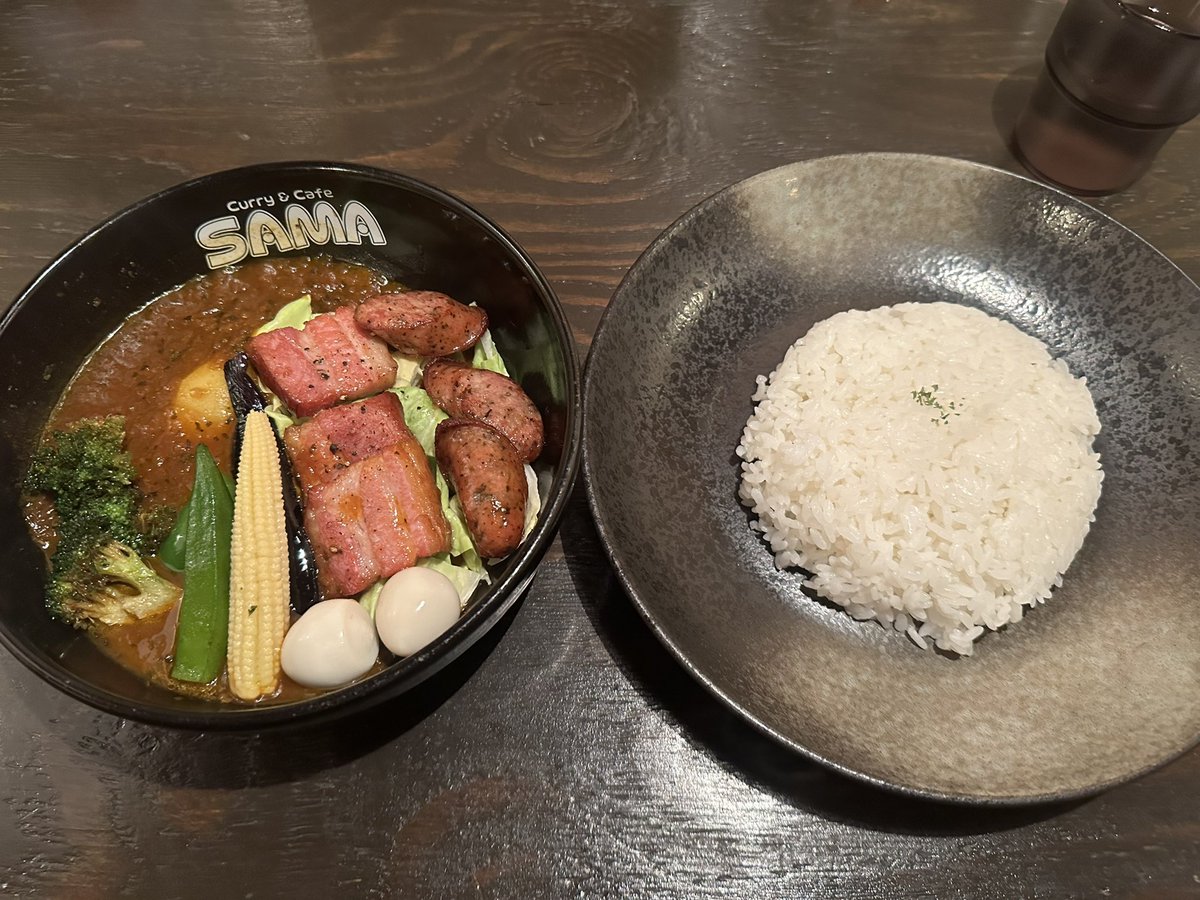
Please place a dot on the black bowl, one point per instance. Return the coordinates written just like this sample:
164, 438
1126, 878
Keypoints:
401, 227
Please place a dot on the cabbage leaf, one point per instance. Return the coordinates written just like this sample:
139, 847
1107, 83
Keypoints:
486, 356
292, 315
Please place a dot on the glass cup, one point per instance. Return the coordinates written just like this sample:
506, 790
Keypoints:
1119, 78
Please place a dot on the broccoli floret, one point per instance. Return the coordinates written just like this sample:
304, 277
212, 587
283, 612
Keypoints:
153, 524
109, 584
96, 572
86, 459
89, 476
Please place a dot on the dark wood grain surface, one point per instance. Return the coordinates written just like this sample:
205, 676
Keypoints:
568, 755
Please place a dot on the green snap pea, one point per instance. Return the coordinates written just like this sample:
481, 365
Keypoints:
173, 552
203, 627
174, 545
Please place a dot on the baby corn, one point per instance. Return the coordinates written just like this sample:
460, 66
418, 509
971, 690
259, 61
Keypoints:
258, 590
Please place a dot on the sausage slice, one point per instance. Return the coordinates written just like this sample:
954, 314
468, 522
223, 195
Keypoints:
468, 393
489, 479
422, 323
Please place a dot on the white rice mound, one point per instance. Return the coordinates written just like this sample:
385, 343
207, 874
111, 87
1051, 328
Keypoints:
937, 520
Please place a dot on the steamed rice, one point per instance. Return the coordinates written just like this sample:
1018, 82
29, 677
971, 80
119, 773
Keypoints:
928, 465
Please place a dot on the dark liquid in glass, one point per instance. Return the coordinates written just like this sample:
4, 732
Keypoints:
1119, 79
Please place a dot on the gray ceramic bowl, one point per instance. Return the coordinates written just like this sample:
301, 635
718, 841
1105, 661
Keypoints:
1099, 685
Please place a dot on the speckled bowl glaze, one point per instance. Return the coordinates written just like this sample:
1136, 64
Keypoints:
418, 234
1096, 687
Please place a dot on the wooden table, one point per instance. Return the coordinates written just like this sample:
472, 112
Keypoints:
569, 755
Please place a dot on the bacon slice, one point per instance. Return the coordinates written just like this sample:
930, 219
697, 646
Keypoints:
413, 479
333, 516
330, 359
375, 517
337, 437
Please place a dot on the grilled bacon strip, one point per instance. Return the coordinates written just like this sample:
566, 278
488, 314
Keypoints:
329, 360
337, 437
375, 517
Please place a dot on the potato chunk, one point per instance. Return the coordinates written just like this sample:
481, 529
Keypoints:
202, 400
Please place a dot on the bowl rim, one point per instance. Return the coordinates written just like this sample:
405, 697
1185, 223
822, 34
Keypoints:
499, 597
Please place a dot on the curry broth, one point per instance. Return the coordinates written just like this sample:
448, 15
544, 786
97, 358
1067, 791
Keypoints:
135, 373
